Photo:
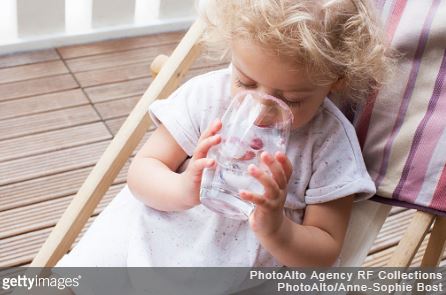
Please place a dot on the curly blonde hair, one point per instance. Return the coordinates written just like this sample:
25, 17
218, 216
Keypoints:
332, 39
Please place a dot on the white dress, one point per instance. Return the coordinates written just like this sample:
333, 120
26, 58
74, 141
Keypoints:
327, 165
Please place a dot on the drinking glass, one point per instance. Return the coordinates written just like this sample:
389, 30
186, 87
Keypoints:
253, 123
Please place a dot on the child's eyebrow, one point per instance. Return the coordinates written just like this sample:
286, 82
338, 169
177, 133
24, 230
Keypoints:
300, 90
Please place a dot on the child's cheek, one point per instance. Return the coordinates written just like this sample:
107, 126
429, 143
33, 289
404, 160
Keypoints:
235, 90
301, 117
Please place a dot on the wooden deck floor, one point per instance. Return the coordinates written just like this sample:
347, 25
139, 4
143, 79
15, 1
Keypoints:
59, 109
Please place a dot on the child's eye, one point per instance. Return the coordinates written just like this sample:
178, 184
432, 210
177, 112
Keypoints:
294, 104
243, 85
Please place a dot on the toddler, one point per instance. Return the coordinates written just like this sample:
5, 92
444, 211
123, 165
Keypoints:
299, 51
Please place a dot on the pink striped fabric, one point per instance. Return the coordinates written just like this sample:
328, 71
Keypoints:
392, 23
402, 128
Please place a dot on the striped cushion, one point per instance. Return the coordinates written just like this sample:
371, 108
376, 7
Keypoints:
402, 129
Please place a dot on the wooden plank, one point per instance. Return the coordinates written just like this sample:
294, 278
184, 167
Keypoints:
48, 187
26, 146
115, 59
436, 245
414, 234
135, 56
112, 75
116, 108
118, 90
396, 209
51, 163
127, 72
136, 87
36, 86
23, 58
381, 259
114, 124
44, 214
392, 230
37, 70
22, 249
42, 122
42, 103
119, 45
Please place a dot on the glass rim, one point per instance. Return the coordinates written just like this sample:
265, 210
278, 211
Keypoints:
280, 102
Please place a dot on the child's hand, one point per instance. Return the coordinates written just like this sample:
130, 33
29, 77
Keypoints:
198, 162
268, 215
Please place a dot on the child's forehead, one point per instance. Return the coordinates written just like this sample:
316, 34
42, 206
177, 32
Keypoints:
263, 66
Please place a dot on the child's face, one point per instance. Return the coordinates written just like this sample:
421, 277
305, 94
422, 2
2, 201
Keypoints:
258, 69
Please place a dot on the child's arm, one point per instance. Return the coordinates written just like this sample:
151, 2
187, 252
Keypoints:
315, 242
152, 177
318, 241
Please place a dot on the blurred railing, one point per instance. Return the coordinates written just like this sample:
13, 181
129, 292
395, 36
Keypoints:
34, 24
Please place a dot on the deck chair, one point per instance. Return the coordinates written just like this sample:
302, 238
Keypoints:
367, 215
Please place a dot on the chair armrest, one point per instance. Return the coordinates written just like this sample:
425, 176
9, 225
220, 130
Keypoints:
412, 239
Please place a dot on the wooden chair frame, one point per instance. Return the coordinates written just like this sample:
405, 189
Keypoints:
132, 131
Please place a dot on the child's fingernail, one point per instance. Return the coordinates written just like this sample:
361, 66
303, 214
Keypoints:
280, 156
252, 169
267, 157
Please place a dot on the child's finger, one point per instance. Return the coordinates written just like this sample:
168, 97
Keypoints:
213, 128
276, 170
251, 197
286, 164
199, 165
203, 147
271, 188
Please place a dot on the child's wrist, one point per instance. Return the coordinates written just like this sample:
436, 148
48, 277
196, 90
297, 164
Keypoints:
279, 234
188, 198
